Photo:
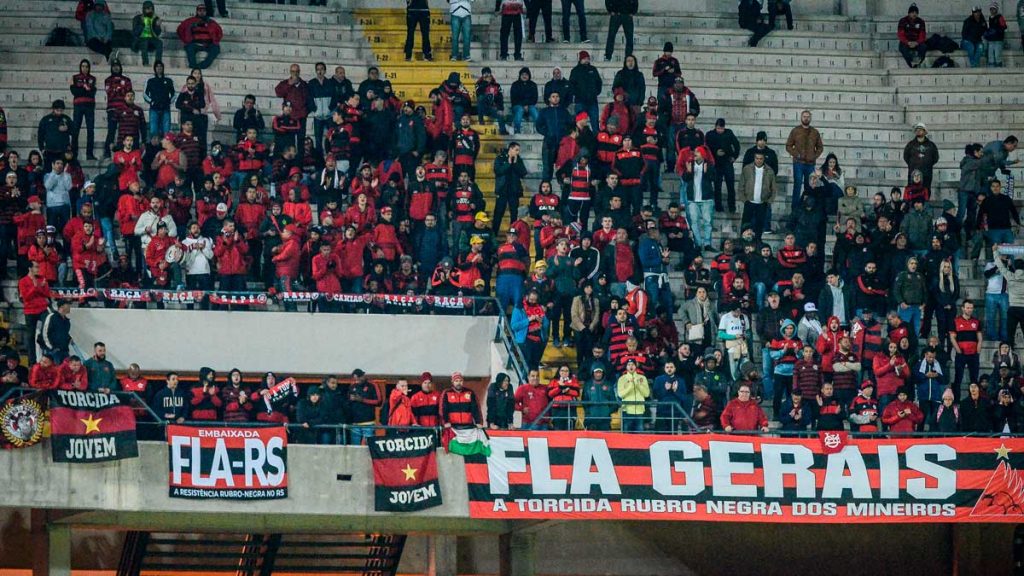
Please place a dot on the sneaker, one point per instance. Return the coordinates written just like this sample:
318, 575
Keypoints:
428, 57
408, 58
519, 58
468, 59
557, 344
453, 58
565, 40
585, 41
503, 58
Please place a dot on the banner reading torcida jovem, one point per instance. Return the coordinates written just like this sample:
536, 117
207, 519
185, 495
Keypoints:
730, 478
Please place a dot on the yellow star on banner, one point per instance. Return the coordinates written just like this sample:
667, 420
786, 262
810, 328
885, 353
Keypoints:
410, 472
1002, 452
92, 424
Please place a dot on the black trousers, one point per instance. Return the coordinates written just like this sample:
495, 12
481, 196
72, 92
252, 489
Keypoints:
221, 8
85, 115
775, 8
724, 171
502, 203
412, 20
535, 9
514, 24
908, 53
616, 21
1014, 318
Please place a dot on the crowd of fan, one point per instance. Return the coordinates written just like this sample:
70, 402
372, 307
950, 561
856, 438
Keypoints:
382, 197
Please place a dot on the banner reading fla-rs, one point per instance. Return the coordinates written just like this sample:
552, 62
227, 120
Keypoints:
228, 463
91, 427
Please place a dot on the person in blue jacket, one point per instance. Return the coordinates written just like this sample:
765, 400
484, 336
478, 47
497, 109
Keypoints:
669, 390
654, 258
930, 381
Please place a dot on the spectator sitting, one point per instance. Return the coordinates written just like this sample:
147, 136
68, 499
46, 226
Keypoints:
912, 35
200, 33
99, 29
146, 30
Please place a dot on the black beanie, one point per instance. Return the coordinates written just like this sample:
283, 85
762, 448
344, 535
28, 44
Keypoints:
668, 47
913, 8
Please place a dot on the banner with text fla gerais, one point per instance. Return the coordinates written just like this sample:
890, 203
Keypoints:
826, 479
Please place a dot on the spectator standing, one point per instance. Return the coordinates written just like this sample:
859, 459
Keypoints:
459, 406
620, 15
921, 154
58, 194
912, 34
805, 146
726, 149
417, 13
743, 414
169, 403
929, 377
995, 157
554, 123
501, 403
159, 94
600, 400
117, 85
972, 34
996, 300
666, 70
54, 337
994, 36
777, 8
461, 15
750, 19
901, 415
581, 16
200, 33
970, 182
633, 390
363, 400
34, 292
1015, 289
967, 339
534, 10
509, 172
1001, 214
512, 12
222, 10
83, 89
757, 190
55, 134
296, 91
146, 31
585, 80
102, 376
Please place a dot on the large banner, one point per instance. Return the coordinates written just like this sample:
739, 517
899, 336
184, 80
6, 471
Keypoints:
91, 427
228, 463
730, 478
405, 472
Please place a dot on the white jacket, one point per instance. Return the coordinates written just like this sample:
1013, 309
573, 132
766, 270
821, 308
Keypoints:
460, 7
150, 220
198, 255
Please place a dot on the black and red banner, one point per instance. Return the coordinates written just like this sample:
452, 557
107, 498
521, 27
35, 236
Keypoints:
91, 427
405, 472
733, 478
227, 463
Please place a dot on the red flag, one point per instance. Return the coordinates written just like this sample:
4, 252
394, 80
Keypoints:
832, 441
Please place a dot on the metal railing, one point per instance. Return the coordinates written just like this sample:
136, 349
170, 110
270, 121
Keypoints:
516, 360
557, 415
310, 301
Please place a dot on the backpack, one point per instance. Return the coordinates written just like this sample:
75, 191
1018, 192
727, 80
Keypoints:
944, 61
61, 36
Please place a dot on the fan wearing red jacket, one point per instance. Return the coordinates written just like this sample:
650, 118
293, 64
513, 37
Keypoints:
351, 250
71, 375
326, 266
828, 343
902, 415
891, 373
28, 223
88, 256
34, 291
44, 252
129, 161
361, 215
384, 242
286, 258
742, 414
156, 256
206, 402
129, 207
563, 391
441, 124
426, 404
43, 375
232, 254
400, 406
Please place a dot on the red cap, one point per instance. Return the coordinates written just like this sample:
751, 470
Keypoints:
426, 376
34, 199
584, 54
867, 384
295, 171
292, 228
582, 116
457, 376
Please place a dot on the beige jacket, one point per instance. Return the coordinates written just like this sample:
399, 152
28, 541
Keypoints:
747, 180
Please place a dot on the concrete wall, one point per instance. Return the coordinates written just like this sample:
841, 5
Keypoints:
288, 342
